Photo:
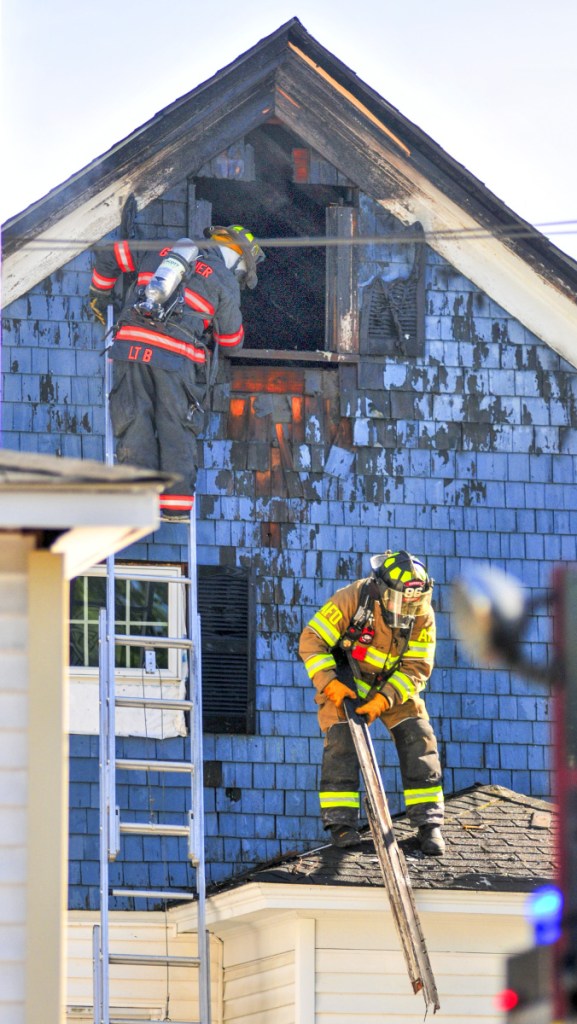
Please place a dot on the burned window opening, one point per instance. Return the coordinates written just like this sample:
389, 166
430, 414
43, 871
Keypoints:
287, 309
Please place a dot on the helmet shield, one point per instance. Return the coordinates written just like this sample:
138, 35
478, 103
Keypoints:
404, 587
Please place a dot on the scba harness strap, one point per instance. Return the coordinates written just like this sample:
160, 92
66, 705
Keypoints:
361, 630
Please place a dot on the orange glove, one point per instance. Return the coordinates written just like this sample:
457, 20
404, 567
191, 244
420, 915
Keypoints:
375, 707
337, 692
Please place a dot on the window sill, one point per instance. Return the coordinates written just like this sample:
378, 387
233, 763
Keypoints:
269, 355
84, 707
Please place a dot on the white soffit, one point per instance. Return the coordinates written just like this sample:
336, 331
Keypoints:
92, 524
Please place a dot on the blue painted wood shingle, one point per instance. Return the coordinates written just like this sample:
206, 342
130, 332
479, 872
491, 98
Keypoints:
466, 453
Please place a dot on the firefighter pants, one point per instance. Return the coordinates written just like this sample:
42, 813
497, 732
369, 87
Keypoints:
416, 745
156, 417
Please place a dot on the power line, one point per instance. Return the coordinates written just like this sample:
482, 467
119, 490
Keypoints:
406, 236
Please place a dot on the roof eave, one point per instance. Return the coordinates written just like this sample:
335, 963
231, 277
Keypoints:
255, 901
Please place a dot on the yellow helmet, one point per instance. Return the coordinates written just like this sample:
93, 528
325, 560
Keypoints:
404, 586
243, 242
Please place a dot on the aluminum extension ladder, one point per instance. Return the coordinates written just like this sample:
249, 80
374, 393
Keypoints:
392, 863
111, 827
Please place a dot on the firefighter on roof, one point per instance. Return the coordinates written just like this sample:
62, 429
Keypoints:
377, 637
181, 299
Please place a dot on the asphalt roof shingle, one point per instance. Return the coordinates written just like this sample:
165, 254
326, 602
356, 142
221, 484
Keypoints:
497, 841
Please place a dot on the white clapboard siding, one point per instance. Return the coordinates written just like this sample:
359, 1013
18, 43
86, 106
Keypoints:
361, 973
261, 990
13, 773
131, 986
357, 969
274, 935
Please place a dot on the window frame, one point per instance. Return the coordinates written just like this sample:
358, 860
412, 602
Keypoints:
175, 622
232, 718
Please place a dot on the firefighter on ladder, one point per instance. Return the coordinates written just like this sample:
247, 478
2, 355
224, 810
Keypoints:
376, 636
179, 299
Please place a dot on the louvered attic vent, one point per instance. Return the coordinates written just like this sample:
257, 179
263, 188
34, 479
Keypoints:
393, 312
392, 319
226, 608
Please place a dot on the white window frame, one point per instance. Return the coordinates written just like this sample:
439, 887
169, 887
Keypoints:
168, 682
176, 623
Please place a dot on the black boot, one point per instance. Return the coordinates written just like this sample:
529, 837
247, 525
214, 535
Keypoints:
431, 840
344, 835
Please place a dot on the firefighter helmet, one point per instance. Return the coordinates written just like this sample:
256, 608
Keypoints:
403, 583
241, 241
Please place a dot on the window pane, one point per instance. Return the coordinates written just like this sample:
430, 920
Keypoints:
141, 609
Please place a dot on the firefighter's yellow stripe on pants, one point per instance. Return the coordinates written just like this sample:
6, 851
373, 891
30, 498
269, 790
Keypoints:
433, 795
332, 799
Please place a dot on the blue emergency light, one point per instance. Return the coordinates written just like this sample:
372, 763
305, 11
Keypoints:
543, 909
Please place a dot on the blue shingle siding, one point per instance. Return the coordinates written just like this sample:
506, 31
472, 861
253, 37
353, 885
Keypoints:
465, 453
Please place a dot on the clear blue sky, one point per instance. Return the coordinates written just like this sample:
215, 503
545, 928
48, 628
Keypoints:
493, 82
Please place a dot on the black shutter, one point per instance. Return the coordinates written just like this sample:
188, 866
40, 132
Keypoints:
226, 608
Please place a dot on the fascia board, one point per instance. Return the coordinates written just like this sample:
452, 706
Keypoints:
258, 900
493, 267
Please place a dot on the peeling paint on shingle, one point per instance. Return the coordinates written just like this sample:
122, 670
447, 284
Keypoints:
48, 392
313, 430
303, 457
339, 462
361, 432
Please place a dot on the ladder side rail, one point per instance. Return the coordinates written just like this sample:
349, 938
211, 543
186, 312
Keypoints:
113, 837
108, 436
414, 939
96, 976
198, 786
195, 697
384, 845
197, 783
392, 863
101, 933
102, 995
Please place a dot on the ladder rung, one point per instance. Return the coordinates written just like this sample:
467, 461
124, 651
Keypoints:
156, 894
143, 578
146, 1020
134, 765
129, 640
154, 961
154, 702
153, 828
